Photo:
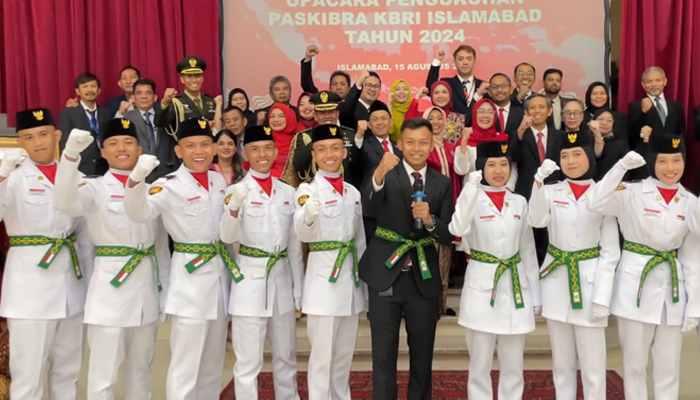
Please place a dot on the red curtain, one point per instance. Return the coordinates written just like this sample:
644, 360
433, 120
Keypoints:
45, 44
663, 33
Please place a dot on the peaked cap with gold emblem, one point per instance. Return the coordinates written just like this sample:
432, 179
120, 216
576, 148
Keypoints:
33, 118
191, 66
325, 101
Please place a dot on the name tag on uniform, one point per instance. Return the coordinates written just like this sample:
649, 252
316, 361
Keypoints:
256, 204
286, 203
334, 202
221, 191
516, 216
488, 218
116, 196
681, 217
649, 212
37, 191
563, 204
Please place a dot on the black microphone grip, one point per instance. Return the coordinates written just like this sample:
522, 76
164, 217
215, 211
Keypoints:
418, 197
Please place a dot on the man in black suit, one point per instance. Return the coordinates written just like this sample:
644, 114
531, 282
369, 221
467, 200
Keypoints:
508, 115
551, 81
524, 76
87, 116
374, 145
339, 83
400, 265
466, 88
371, 87
153, 140
127, 76
533, 142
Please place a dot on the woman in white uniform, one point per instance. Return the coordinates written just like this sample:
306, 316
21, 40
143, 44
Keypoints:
578, 273
657, 277
501, 292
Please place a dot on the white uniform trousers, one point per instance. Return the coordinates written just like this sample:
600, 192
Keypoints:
510, 361
588, 343
248, 336
32, 343
198, 353
665, 342
332, 347
110, 346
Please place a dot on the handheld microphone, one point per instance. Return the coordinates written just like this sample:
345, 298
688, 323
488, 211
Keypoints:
418, 197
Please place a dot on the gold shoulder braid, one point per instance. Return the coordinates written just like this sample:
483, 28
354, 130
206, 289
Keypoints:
179, 117
289, 174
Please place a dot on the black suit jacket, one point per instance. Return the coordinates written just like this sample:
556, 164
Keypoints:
392, 206
697, 123
524, 152
675, 122
91, 161
165, 150
459, 100
550, 120
113, 104
373, 154
619, 126
515, 117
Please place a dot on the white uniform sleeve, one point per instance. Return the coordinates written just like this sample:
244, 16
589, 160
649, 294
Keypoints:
305, 233
462, 163
605, 198
529, 260
465, 209
694, 220
539, 216
69, 196
142, 207
689, 257
163, 257
7, 198
607, 262
230, 226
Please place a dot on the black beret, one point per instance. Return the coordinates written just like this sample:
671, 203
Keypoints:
117, 127
257, 133
191, 66
33, 117
194, 127
666, 143
378, 106
495, 148
325, 132
325, 100
577, 139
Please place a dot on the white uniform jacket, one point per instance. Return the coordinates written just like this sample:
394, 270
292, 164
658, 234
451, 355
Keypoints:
191, 215
502, 234
340, 219
645, 218
572, 227
28, 291
265, 223
101, 200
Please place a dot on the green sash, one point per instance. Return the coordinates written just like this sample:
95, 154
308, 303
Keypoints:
50, 255
571, 260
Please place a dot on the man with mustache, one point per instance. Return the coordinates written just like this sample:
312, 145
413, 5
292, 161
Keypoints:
551, 81
524, 77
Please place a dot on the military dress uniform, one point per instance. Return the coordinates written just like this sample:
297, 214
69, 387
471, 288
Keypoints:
201, 270
262, 302
501, 286
131, 268
299, 166
183, 106
650, 297
578, 272
43, 287
334, 296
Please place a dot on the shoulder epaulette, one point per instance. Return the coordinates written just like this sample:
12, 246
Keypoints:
92, 176
169, 176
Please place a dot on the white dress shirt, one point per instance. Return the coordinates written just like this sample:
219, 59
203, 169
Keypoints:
152, 118
545, 132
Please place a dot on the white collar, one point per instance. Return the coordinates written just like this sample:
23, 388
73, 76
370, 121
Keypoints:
544, 131
326, 174
259, 175
410, 170
653, 98
85, 107
470, 80
506, 108
150, 110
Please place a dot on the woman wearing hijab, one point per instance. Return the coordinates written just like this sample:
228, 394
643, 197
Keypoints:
282, 120
442, 159
306, 111
399, 100
239, 98
614, 148
441, 96
597, 98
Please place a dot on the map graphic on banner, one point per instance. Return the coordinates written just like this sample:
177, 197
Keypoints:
397, 39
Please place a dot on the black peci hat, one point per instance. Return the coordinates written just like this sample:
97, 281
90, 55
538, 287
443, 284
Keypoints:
378, 106
325, 132
577, 139
117, 127
194, 127
33, 118
257, 133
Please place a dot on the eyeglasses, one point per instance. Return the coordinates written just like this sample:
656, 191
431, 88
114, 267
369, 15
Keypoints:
499, 87
606, 120
370, 86
572, 113
485, 111
525, 73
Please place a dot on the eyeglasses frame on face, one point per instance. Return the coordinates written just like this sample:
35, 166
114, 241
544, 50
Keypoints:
369, 86
499, 87
572, 113
608, 120
525, 73
486, 111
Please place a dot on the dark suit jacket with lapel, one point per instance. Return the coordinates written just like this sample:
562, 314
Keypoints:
550, 120
165, 150
392, 206
91, 161
459, 100
524, 152
675, 122
374, 152
515, 117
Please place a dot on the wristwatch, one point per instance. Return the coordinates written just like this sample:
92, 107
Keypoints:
430, 228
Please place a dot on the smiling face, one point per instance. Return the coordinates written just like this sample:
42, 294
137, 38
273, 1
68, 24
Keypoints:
371, 89
599, 97
144, 97
192, 82
538, 109
327, 117
306, 108
88, 91
401, 93
485, 115
654, 83
500, 90
525, 76
260, 155
416, 145
437, 121
127, 79
39, 143
196, 152
574, 162
329, 154
339, 85
239, 101
235, 122
277, 120
225, 147
440, 96
497, 171
606, 122
121, 152
464, 62
669, 168
572, 114
379, 123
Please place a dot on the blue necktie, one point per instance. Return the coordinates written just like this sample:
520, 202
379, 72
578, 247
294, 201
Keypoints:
151, 138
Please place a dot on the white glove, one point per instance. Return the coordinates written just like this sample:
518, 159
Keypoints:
598, 313
475, 178
689, 324
145, 165
238, 195
632, 160
78, 140
311, 209
164, 318
545, 170
10, 159
297, 303
538, 310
